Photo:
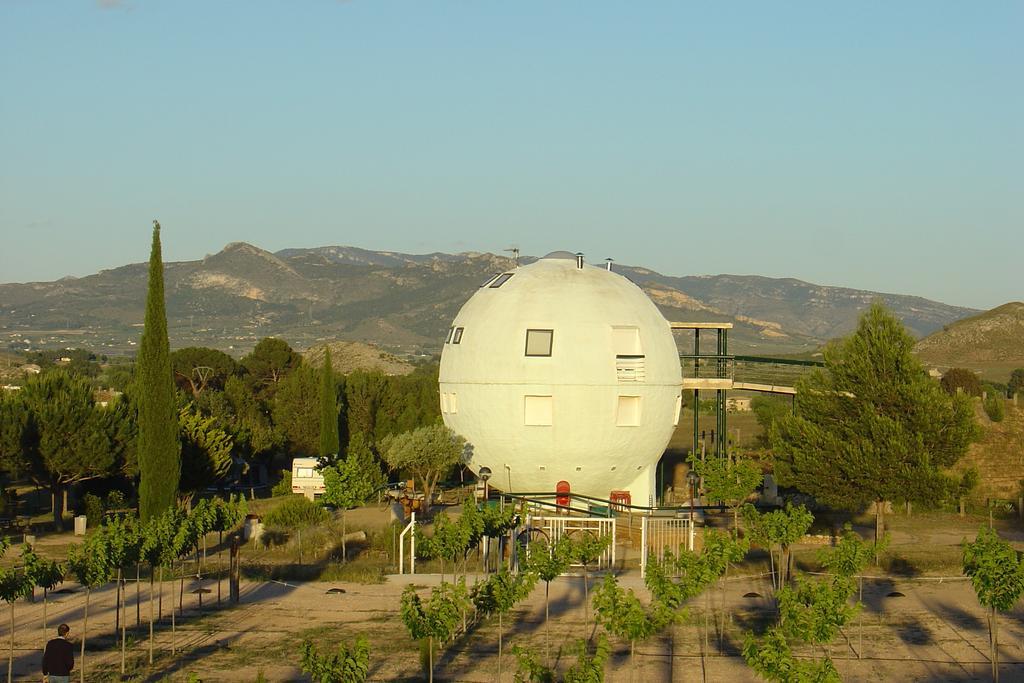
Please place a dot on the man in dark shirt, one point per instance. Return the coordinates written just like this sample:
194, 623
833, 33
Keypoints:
59, 657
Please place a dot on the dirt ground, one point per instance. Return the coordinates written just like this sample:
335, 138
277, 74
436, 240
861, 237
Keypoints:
921, 623
932, 631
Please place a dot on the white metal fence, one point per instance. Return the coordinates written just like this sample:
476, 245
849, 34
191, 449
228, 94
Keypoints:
556, 527
659, 533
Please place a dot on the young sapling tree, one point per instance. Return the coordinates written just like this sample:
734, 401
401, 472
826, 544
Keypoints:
997, 576
15, 583
350, 664
436, 619
548, 561
90, 564
622, 614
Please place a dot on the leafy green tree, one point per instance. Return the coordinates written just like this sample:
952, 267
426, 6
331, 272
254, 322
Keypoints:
270, 362
406, 402
364, 394
850, 555
529, 668
730, 480
90, 563
428, 453
197, 368
437, 618
994, 404
961, 379
124, 541
622, 614
997, 576
1016, 383
586, 549
65, 438
589, 668
350, 664
450, 541
350, 483
871, 426
549, 561
159, 449
16, 433
780, 528
768, 409
814, 610
205, 453
772, 659
238, 411
225, 515
676, 578
159, 549
296, 411
15, 583
118, 376
498, 595
44, 573
329, 445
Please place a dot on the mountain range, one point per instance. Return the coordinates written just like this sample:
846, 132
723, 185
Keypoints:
401, 302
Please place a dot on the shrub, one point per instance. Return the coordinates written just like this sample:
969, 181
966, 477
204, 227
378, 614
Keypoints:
349, 664
994, 406
93, 510
283, 487
962, 379
295, 513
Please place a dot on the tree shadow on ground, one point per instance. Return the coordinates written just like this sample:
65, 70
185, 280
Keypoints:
912, 631
959, 617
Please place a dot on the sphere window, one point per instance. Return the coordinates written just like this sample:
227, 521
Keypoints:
457, 337
628, 413
500, 280
539, 342
537, 411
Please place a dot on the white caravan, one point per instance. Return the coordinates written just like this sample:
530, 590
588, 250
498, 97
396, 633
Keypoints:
306, 479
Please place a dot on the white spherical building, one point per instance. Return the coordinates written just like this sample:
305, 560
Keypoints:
562, 371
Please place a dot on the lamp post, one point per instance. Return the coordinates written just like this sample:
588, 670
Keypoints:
485, 474
692, 478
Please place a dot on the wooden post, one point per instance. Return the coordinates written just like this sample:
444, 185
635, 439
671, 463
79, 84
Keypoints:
234, 562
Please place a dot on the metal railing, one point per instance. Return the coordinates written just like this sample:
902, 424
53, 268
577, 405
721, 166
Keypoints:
707, 366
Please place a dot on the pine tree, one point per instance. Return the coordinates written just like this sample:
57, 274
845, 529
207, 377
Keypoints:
329, 443
159, 448
871, 426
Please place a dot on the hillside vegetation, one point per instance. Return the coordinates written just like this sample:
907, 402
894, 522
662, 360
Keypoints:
348, 357
991, 343
999, 454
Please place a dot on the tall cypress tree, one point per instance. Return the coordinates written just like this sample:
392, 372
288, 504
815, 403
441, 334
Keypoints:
329, 442
159, 446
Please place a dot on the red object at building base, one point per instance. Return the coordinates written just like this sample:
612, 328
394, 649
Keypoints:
620, 500
562, 490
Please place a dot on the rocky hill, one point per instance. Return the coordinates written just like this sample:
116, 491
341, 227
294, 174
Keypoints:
991, 342
401, 302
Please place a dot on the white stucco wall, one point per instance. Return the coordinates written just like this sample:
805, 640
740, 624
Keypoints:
489, 375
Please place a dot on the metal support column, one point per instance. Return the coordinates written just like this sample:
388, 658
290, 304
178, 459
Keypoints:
696, 392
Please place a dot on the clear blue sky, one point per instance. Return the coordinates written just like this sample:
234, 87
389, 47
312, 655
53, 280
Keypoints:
876, 145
